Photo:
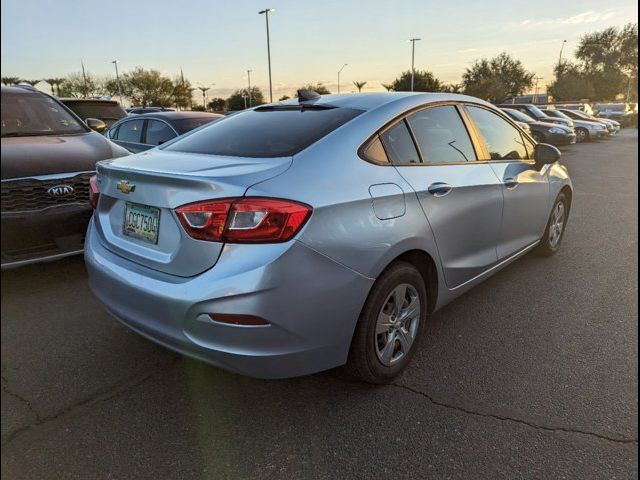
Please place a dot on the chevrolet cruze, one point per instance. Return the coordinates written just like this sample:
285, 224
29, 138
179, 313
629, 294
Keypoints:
317, 232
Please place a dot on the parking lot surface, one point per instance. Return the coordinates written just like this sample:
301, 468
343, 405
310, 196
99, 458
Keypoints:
533, 374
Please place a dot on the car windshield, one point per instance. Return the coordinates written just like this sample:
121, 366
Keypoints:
266, 131
30, 114
518, 115
101, 110
536, 111
612, 107
185, 125
557, 114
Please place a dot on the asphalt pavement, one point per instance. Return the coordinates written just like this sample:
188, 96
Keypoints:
533, 374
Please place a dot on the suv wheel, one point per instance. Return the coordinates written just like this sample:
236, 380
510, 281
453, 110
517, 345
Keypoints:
389, 326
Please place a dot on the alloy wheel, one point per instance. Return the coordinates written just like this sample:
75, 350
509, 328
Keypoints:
557, 224
397, 324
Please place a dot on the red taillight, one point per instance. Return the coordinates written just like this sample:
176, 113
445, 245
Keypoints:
244, 220
94, 191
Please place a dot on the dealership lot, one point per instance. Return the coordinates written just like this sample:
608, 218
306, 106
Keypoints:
533, 374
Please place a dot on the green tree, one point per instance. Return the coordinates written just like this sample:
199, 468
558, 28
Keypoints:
318, 88
608, 58
33, 83
182, 93
571, 83
78, 85
284, 97
237, 100
497, 78
147, 87
359, 85
387, 86
452, 88
10, 80
423, 81
217, 104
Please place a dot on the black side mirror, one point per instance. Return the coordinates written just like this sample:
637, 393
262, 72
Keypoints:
96, 124
546, 154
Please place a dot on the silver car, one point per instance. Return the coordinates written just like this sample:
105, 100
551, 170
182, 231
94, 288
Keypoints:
320, 231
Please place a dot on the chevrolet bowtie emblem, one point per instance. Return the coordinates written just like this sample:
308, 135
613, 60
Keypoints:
125, 187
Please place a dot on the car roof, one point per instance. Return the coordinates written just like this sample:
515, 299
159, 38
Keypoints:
371, 101
176, 115
21, 89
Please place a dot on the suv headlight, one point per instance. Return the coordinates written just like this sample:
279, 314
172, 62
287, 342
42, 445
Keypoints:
556, 130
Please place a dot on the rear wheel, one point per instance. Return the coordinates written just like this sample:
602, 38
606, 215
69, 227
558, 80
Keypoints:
552, 238
389, 326
582, 135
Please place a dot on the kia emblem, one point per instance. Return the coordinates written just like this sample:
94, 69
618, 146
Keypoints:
60, 190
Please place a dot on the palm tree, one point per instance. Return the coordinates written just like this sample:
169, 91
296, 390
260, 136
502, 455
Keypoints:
388, 86
57, 82
10, 80
359, 85
30, 82
52, 83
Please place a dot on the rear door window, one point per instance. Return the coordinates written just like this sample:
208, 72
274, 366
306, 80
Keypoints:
441, 136
503, 140
130, 131
265, 131
158, 133
399, 145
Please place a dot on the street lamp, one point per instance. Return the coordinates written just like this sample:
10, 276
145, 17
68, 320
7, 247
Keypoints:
204, 95
339, 75
115, 63
413, 56
561, 48
535, 93
266, 16
249, 81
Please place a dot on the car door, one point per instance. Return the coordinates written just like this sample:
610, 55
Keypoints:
129, 135
158, 132
461, 197
525, 186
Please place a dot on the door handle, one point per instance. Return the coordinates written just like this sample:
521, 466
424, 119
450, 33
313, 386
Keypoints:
439, 189
511, 183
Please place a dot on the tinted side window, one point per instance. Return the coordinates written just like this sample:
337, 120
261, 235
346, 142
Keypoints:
130, 131
441, 135
399, 145
503, 141
374, 151
158, 133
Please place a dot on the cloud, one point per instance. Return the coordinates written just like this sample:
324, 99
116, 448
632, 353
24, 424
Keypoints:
590, 16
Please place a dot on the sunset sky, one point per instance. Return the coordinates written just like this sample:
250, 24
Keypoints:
215, 42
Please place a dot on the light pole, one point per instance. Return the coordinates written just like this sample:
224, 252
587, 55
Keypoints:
266, 16
204, 95
561, 48
339, 75
535, 93
115, 63
249, 81
413, 56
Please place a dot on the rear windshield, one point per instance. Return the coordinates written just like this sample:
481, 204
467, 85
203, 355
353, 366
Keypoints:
30, 114
265, 132
518, 115
102, 111
185, 125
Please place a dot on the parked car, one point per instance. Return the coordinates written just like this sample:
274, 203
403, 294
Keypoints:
148, 130
299, 236
612, 125
537, 114
543, 132
586, 130
623, 113
48, 155
583, 107
109, 111
142, 110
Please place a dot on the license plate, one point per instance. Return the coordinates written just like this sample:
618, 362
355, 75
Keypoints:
141, 222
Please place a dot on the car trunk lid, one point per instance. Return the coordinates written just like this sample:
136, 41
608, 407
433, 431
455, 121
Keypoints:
157, 182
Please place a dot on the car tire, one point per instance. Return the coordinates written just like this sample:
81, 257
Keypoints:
554, 232
378, 356
582, 135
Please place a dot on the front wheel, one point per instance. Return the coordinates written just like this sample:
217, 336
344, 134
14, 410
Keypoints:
582, 135
554, 233
389, 326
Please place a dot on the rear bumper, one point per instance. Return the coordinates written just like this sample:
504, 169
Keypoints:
311, 302
45, 235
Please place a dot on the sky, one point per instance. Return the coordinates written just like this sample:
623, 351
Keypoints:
216, 42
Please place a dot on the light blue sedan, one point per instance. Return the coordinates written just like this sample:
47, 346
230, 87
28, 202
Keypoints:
321, 231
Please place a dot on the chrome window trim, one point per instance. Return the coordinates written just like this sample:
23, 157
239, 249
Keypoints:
53, 176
